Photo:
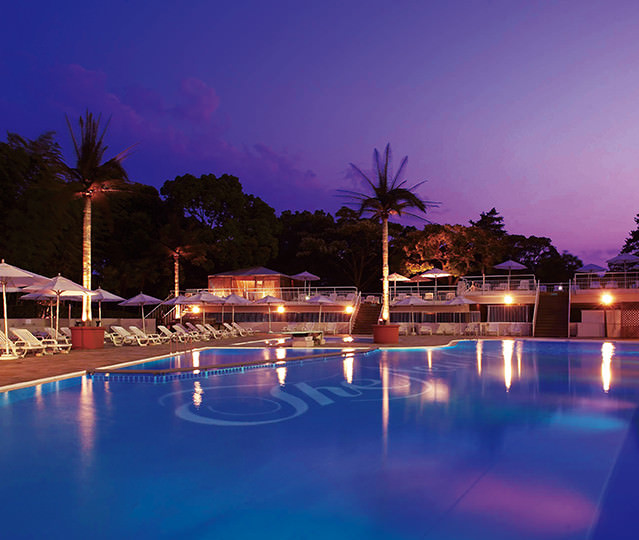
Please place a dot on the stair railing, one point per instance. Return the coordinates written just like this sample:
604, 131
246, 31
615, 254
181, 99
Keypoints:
569, 302
358, 303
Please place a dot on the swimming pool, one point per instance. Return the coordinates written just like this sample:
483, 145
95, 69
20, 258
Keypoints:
489, 439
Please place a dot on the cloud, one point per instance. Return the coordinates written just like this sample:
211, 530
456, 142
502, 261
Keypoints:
184, 133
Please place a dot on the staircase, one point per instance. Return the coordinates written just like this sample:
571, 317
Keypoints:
552, 315
366, 317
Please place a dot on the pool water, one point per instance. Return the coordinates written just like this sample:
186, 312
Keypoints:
492, 439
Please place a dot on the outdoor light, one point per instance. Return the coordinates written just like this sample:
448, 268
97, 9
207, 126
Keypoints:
606, 299
349, 309
348, 339
280, 309
508, 299
307, 297
195, 309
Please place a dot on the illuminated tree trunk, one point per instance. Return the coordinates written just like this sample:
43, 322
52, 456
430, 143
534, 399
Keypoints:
86, 257
176, 274
385, 299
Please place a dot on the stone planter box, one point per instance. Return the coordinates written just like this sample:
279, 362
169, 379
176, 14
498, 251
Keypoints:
386, 333
87, 337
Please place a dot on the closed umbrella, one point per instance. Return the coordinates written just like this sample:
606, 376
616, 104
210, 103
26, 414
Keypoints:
141, 300
12, 276
268, 299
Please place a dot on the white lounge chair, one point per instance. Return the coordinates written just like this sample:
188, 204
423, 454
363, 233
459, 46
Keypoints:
128, 338
247, 329
15, 349
233, 331
32, 344
196, 336
216, 332
173, 336
205, 334
64, 343
153, 339
425, 329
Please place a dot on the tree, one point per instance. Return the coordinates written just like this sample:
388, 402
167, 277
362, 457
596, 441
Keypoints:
490, 221
94, 177
388, 195
631, 244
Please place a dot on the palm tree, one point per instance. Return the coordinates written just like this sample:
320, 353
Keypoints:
95, 178
388, 195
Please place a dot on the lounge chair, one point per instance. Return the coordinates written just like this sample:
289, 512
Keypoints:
241, 329
173, 336
204, 330
195, 336
232, 331
471, 329
15, 349
113, 338
153, 339
425, 329
64, 330
64, 343
32, 344
204, 334
217, 332
128, 338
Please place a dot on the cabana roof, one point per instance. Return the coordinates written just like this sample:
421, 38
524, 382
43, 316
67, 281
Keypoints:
255, 271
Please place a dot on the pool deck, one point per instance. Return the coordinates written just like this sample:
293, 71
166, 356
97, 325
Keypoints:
32, 370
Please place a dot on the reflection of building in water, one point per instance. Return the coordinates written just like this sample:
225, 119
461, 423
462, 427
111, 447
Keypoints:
607, 350
196, 361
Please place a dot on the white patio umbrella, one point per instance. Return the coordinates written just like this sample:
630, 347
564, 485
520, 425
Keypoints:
395, 277
268, 299
306, 277
591, 269
433, 273
509, 265
60, 286
12, 276
624, 260
321, 300
141, 300
235, 300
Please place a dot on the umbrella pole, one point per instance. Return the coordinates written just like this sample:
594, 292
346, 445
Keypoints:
57, 315
6, 324
69, 318
269, 318
143, 327
100, 310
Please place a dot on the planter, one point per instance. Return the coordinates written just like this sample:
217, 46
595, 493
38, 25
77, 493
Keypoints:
87, 337
386, 333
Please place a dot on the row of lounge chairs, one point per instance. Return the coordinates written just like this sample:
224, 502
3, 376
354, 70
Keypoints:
23, 341
188, 332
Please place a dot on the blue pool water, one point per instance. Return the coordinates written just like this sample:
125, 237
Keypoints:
494, 440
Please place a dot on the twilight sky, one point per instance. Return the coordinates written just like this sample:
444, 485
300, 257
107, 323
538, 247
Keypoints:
530, 107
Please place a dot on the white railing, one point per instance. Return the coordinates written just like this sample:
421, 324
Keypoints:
605, 280
525, 283
288, 294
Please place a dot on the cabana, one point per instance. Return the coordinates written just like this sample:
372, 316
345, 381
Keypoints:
251, 283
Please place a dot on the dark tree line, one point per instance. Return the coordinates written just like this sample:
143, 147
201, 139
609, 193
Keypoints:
211, 225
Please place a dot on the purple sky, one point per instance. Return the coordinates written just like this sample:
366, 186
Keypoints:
530, 107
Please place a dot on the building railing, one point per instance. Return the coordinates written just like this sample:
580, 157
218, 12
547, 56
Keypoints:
288, 294
605, 280
524, 283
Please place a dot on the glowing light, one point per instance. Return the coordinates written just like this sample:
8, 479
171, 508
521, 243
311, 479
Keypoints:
507, 349
307, 297
281, 341
196, 361
607, 350
280, 353
348, 309
348, 350
195, 309
280, 309
348, 369
348, 339
508, 299
607, 299
519, 352
480, 349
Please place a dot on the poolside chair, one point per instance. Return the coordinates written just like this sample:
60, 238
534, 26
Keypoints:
15, 349
64, 343
128, 338
247, 329
403, 329
153, 339
425, 329
173, 336
113, 338
205, 335
232, 331
492, 329
217, 333
471, 329
195, 336
32, 344
204, 330
66, 332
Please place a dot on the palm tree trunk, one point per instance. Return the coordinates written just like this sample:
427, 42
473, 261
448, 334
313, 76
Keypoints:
86, 257
176, 276
385, 299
